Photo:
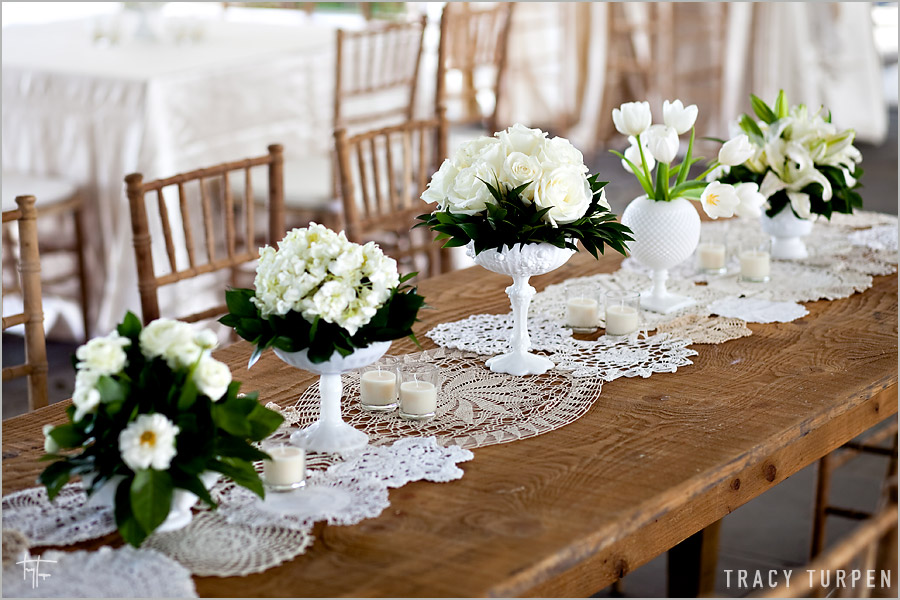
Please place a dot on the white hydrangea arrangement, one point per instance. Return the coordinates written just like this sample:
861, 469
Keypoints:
320, 291
152, 409
655, 147
799, 159
520, 186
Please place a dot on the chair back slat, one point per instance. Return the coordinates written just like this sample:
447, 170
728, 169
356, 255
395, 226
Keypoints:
391, 166
217, 244
32, 317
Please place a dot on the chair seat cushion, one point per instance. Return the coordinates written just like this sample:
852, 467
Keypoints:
46, 190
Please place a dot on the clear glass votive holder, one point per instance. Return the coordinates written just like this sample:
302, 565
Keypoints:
582, 307
419, 387
286, 471
623, 312
712, 253
754, 256
379, 386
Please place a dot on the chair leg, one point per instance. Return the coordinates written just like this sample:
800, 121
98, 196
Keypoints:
691, 565
823, 484
80, 250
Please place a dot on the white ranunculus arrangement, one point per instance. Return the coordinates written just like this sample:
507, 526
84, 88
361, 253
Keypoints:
798, 158
520, 186
654, 147
151, 411
320, 291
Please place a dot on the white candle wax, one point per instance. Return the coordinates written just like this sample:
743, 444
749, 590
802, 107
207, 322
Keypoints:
288, 465
582, 313
621, 320
378, 388
711, 256
418, 397
754, 264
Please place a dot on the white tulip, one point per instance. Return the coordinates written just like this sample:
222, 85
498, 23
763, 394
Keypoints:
566, 192
148, 442
633, 153
719, 200
736, 150
679, 117
212, 378
751, 200
662, 141
632, 118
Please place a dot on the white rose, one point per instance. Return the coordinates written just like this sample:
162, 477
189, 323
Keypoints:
212, 377
679, 117
472, 150
719, 200
104, 355
662, 141
519, 169
633, 153
50, 445
157, 336
440, 185
519, 138
470, 195
736, 151
751, 200
632, 118
560, 151
566, 192
148, 442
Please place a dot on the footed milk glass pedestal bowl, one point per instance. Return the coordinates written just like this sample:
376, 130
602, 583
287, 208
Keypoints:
665, 233
787, 232
521, 262
330, 433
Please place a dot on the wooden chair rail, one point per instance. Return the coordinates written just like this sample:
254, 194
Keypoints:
13, 320
17, 371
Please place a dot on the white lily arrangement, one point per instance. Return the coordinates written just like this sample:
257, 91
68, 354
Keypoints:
799, 159
655, 146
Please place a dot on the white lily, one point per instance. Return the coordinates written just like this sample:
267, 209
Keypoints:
662, 141
632, 118
800, 203
679, 117
736, 151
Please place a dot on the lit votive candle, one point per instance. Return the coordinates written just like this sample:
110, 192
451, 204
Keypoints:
711, 257
286, 470
378, 390
622, 312
582, 307
419, 391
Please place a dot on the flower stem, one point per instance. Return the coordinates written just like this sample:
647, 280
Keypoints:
662, 182
711, 168
644, 160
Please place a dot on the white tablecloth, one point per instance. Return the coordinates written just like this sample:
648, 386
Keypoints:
93, 114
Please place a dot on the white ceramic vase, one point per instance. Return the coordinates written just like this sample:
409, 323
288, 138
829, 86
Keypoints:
330, 433
183, 501
665, 233
521, 263
787, 232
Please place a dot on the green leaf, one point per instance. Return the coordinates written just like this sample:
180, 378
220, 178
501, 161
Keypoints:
151, 498
263, 423
241, 472
130, 326
638, 173
238, 448
112, 391
129, 528
54, 477
762, 110
188, 395
686, 164
67, 436
193, 484
781, 105
752, 130
238, 302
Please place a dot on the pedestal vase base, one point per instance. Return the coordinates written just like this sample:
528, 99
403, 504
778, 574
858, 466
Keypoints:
519, 363
789, 248
329, 437
664, 304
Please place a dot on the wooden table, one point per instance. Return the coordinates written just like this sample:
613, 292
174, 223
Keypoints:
566, 513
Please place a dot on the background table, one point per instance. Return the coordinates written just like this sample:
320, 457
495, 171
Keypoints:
93, 114
566, 513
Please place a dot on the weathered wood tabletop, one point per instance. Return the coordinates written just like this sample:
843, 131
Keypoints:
566, 513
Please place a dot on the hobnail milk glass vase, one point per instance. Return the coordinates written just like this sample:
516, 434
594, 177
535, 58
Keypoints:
521, 263
665, 233
787, 231
330, 433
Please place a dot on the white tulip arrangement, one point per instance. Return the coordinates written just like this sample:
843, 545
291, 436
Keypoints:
655, 146
799, 159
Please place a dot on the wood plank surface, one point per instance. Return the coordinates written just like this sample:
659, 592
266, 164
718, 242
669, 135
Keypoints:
566, 513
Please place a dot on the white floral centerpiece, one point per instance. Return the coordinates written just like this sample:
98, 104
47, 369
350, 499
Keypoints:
520, 187
321, 292
152, 412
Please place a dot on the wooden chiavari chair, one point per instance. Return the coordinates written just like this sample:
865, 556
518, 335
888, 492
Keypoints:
149, 281
473, 40
383, 174
35, 367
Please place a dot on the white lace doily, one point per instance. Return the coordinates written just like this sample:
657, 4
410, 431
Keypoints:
489, 334
705, 330
794, 282
68, 520
124, 572
475, 406
882, 237
635, 356
756, 310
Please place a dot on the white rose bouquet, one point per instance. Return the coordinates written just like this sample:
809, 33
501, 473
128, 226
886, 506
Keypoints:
799, 159
520, 187
656, 146
320, 291
153, 410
